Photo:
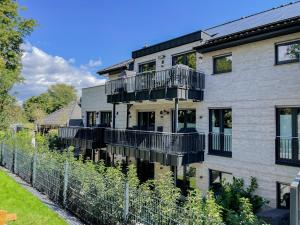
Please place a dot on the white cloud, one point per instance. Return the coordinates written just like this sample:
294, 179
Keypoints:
94, 63
41, 70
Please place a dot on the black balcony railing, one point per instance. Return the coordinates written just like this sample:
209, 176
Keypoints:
83, 137
169, 143
220, 144
177, 76
287, 150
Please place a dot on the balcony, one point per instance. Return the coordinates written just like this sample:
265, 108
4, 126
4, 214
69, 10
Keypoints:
83, 137
177, 82
287, 151
220, 144
166, 148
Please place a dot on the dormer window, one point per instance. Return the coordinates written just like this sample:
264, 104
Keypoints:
287, 52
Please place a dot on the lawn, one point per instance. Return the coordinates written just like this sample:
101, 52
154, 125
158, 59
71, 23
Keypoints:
29, 209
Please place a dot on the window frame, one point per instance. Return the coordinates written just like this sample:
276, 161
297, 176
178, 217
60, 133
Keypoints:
295, 148
144, 63
222, 151
210, 182
94, 118
184, 54
277, 45
278, 195
219, 57
105, 112
185, 118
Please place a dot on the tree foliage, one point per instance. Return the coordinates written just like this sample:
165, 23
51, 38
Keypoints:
56, 97
13, 30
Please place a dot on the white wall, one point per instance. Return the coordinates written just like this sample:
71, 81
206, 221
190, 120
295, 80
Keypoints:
94, 99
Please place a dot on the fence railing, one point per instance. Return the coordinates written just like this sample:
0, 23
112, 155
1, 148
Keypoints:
288, 149
84, 137
177, 76
91, 201
220, 143
172, 143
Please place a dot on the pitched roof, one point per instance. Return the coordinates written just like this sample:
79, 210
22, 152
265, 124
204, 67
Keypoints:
122, 65
273, 15
62, 117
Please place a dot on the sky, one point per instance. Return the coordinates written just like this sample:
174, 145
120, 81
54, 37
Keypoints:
75, 38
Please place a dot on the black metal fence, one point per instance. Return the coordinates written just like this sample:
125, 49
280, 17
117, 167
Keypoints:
92, 200
287, 150
172, 143
220, 144
176, 76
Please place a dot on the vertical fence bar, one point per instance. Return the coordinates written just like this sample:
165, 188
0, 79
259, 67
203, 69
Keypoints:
66, 177
14, 167
126, 202
34, 162
1, 152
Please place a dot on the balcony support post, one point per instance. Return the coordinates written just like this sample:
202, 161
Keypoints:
175, 169
114, 116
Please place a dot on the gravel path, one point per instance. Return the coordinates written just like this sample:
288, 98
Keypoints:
68, 217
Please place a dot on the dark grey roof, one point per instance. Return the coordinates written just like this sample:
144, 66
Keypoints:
119, 66
175, 42
280, 13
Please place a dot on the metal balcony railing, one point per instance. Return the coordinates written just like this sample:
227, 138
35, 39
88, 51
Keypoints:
287, 150
220, 144
177, 76
171, 143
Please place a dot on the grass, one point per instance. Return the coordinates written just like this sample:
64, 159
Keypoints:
193, 184
29, 209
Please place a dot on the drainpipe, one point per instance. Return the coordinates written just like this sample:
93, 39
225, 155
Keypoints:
175, 131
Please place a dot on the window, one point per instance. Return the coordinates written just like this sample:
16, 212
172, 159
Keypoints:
91, 119
186, 120
283, 196
220, 132
105, 118
146, 120
287, 52
216, 178
287, 136
222, 64
188, 59
150, 66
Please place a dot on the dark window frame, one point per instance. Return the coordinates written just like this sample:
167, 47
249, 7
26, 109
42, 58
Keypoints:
148, 127
295, 148
185, 118
94, 118
220, 152
278, 195
102, 116
144, 63
211, 174
184, 54
219, 57
277, 45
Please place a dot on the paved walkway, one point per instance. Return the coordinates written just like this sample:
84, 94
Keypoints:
68, 217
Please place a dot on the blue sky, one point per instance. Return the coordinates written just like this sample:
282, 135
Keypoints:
89, 35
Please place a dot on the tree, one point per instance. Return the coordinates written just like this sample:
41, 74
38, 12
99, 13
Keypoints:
56, 97
13, 30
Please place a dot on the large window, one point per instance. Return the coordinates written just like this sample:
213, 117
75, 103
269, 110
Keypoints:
186, 120
220, 132
146, 120
91, 119
216, 178
222, 64
150, 66
287, 135
105, 118
188, 59
287, 52
283, 195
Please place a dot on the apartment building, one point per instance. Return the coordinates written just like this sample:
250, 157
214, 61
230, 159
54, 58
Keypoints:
224, 100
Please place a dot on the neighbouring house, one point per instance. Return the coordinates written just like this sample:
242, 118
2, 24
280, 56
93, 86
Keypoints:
224, 101
70, 115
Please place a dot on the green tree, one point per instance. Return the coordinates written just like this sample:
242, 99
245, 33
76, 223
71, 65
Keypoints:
13, 30
56, 97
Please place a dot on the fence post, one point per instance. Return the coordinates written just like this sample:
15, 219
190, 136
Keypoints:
34, 169
126, 201
15, 159
1, 152
294, 203
66, 177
